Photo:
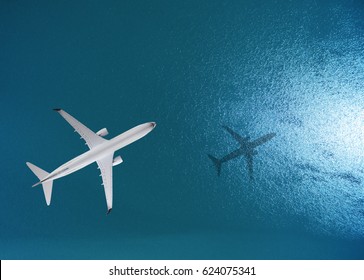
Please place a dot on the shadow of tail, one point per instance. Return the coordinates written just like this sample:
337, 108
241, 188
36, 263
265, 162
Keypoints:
217, 164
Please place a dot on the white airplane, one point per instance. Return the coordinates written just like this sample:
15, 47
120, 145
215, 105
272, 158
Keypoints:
101, 151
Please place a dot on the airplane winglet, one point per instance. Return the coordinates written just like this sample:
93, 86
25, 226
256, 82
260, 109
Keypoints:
108, 211
57, 109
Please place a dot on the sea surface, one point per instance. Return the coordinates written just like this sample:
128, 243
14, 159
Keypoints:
293, 68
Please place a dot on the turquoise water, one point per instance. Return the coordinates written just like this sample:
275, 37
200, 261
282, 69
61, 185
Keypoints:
294, 68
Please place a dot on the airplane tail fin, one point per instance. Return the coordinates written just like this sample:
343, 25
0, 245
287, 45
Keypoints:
47, 186
217, 164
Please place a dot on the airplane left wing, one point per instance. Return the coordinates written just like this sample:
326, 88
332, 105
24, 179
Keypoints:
91, 138
105, 166
236, 136
263, 139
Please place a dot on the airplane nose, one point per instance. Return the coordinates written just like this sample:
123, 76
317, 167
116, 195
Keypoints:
153, 124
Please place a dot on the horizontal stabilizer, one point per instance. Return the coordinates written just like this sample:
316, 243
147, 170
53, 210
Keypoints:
47, 186
47, 189
40, 173
217, 164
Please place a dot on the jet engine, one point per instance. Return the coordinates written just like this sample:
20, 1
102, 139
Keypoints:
117, 160
102, 132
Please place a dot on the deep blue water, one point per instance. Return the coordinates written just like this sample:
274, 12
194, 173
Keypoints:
294, 68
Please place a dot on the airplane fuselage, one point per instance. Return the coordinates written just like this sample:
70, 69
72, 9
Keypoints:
100, 151
243, 151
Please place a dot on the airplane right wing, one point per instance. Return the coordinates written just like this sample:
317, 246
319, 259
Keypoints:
236, 136
249, 159
105, 166
91, 138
